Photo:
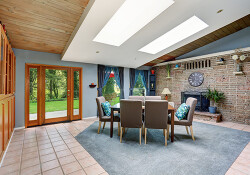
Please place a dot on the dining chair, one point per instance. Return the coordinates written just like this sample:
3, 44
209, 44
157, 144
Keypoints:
103, 118
156, 117
152, 98
141, 98
131, 116
187, 122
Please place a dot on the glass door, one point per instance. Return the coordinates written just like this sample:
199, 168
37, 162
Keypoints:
52, 94
56, 91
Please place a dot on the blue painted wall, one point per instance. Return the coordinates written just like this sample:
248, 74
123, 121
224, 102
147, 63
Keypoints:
27, 56
239, 39
89, 76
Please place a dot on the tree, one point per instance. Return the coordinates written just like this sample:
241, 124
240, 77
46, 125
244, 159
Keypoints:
109, 88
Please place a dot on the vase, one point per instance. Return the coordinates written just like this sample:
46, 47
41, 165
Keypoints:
212, 109
239, 67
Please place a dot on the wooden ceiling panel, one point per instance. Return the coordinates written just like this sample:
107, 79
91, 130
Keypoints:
41, 25
211, 37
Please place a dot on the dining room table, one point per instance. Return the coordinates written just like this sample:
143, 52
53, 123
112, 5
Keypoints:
116, 107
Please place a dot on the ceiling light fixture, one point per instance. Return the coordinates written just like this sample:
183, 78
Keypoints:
177, 34
129, 19
219, 11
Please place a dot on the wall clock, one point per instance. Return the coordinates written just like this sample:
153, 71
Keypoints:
196, 79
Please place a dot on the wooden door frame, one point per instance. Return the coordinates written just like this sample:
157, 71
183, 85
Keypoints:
40, 90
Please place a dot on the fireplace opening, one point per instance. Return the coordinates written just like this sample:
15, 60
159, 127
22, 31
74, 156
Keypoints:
202, 102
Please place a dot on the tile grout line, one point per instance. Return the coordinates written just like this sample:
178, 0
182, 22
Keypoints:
70, 149
84, 149
38, 153
54, 151
21, 158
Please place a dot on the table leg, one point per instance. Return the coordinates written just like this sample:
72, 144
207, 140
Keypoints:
172, 126
111, 123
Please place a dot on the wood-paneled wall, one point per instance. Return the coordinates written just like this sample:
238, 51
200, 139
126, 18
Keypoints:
7, 91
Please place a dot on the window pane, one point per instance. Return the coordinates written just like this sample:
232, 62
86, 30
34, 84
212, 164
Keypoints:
33, 94
139, 89
111, 91
76, 92
55, 93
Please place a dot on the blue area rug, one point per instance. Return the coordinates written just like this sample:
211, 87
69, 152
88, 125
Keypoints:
213, 152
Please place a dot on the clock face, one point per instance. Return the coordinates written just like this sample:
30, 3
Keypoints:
196, 79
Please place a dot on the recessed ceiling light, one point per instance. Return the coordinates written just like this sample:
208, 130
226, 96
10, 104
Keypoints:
177, 34
129, 19
219, 11
97, 52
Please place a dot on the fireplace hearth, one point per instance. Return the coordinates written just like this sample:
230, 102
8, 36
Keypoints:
202, 102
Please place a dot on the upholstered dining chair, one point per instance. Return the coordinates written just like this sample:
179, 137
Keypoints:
102, 117
153, 98
141, 98
131, 116
156, 117
187, 122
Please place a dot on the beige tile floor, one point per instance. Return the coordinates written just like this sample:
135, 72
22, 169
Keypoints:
53, 150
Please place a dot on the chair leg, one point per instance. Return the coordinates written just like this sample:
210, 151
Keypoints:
166, 142
163, 132
121, 134
167, 131
104, 125
191, 129
140, 136
119, 125
100, 125
123, 130
145, 132
187, 129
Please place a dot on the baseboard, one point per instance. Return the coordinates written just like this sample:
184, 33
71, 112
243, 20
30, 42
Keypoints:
22, 127
6, 148
90, 117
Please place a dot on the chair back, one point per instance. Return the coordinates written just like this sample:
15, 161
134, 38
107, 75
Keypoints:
192, 103
99, 101
142, 98
156, 114
153, 98
131, 113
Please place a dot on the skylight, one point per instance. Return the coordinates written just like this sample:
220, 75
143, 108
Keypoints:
177, 34
129, 19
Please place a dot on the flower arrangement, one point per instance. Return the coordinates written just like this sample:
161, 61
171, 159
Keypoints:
238, 56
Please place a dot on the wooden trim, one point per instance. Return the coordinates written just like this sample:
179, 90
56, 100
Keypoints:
41, 94
54, 120
202, 57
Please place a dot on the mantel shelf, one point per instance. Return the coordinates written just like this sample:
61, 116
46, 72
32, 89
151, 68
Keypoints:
220, 62
238, 73
178, 68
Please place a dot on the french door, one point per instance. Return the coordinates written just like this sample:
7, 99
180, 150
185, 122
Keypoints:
52, 94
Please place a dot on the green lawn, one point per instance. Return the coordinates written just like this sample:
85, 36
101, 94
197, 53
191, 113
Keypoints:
115, 101
51, 106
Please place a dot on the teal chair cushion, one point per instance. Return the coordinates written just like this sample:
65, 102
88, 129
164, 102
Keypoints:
106, 108
182, 111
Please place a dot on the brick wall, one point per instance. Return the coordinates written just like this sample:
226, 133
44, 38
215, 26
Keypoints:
236, 106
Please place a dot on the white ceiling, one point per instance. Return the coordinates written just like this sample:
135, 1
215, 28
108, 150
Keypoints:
82, 48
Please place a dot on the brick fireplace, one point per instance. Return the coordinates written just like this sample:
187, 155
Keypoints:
236, 106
